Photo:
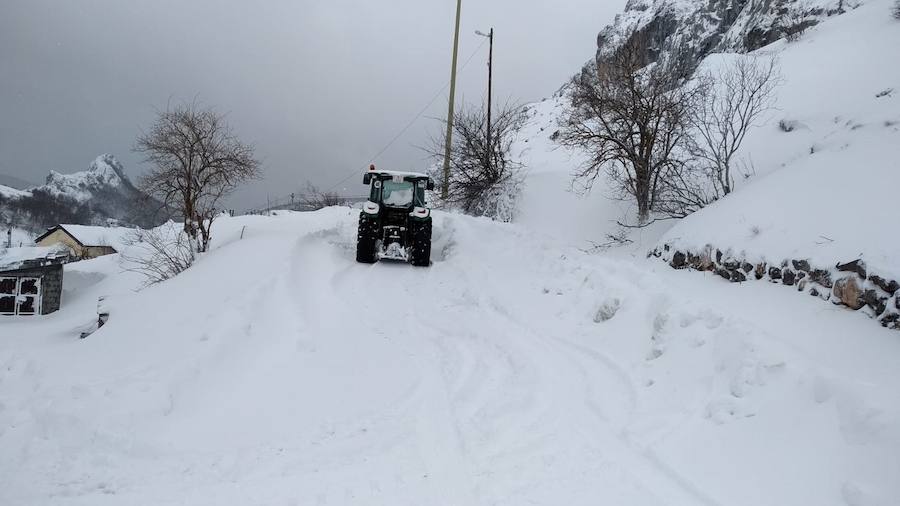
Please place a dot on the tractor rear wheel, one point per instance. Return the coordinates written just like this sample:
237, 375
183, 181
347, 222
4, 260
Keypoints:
420, 255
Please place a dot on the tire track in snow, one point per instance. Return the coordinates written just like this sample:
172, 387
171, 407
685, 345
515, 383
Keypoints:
495, 399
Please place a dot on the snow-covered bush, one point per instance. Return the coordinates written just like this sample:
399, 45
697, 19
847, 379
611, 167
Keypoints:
159, 254
485, 180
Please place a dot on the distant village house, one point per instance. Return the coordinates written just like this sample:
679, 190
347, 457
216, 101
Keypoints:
85, 242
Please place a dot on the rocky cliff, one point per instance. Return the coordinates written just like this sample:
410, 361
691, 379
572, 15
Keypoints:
685, 31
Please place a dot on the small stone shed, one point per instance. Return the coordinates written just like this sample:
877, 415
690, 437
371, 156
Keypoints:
85, 242
31, 280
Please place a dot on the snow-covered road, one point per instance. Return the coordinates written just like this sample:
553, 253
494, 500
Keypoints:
513, 371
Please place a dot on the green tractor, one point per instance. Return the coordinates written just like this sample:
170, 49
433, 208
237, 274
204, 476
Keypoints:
395, 223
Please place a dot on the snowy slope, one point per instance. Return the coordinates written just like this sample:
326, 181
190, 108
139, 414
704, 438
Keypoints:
823, 191
9, 192
551, 205
819, 192
279, 371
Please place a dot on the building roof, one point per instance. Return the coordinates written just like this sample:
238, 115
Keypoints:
88, 236
33, 256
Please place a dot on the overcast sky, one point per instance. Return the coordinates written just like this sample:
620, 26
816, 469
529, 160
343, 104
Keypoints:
319, 87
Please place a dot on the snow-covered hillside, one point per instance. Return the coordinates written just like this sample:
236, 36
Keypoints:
513, 371
821, 191
825, 190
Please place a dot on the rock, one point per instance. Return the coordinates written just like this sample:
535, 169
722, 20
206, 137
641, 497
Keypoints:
679, 260
847, 292
857, 266
738, 277
694, 261
801, 265
747, 267
890, 321
891, 287
801, 286
814, 292
876, 303
718, 256
731, 264
774, 273
821, 277
725, 273
760, 270
788, 277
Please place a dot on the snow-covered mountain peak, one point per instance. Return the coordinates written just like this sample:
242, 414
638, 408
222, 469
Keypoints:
104, 172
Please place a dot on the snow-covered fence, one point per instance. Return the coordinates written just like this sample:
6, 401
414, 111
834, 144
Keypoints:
850, 284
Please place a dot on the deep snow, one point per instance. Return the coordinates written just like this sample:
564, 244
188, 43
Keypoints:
279, 371
518, 369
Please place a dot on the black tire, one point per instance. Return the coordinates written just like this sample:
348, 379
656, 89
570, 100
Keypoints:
421, 243
366, 238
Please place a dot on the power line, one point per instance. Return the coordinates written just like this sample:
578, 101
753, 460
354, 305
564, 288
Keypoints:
395, 138
411, 123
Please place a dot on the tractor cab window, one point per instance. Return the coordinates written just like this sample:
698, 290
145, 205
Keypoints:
420, 196
397, 194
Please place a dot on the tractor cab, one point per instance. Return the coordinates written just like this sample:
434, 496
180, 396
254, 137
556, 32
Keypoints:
402, 190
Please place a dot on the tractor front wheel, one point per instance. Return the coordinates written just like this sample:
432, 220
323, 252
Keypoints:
366, 239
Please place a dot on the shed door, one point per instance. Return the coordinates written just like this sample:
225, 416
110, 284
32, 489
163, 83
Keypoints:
20, 296
9, 290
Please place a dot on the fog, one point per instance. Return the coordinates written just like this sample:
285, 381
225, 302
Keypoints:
318, 87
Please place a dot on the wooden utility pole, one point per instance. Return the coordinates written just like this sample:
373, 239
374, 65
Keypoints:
445, 191
490, 86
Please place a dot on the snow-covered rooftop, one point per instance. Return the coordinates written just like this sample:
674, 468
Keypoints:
16, 258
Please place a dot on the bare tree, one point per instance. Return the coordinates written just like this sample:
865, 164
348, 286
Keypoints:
795, 22
484, 176
631, 119
733, 99
197, 160
158, 254
314, 199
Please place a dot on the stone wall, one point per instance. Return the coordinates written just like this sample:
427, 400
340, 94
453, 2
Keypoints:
850, 284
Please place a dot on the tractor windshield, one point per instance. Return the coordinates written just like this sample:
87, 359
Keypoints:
397, 194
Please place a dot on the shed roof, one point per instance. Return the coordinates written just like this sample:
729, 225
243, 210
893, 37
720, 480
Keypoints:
13, 259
